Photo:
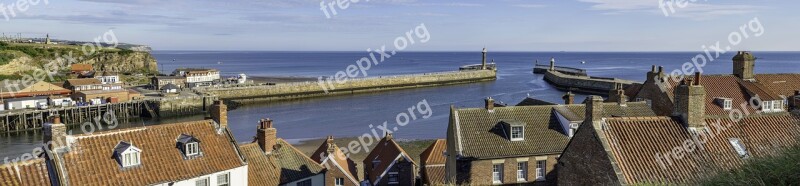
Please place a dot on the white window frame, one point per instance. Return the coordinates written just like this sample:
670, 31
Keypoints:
339, 181
727, 104
192, 149
396, 178
520, 134
130, 159
224, 179
541, 169
497, 173
202, 182
522, 171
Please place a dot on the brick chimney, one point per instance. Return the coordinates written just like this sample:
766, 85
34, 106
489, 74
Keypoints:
794, 101
618, 95
55, 133
569, 98
690, 104
656, 74
219, 113
489, 104
743, 64
594, 109
267, 135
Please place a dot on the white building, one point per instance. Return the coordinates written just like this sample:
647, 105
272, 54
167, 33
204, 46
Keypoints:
108, 78
198, 77
25, 103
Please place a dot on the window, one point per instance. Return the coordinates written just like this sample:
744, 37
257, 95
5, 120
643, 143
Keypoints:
375, 163
224, 179
497, 173
339, 181
738, 146
393, 179
541, 169
304, 183
201, 182
192, 149
517, 133
727, 104
130, 159
522, 171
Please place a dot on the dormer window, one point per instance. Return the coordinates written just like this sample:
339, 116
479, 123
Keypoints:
189, 145
515, 130
127, 155
725, 103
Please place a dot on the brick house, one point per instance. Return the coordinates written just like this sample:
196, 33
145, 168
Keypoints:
725, 91
389, 164
190, 153
515, 145
680, 149
273, 161
342, 170
159, 82
432, 162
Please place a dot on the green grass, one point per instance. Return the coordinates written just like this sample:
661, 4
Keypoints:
783, 169
5, 58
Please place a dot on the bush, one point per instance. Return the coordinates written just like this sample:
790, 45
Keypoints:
5, 58
783, 169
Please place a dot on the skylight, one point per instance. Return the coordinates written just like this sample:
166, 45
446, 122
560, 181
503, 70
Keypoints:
738, 146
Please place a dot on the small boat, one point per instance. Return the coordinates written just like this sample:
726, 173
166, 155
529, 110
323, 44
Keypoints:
219, 62
583, 62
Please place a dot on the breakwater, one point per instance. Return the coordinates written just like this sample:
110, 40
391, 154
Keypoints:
584, 84
24, 120
247, 94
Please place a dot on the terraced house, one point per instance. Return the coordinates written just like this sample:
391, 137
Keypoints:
432, 162
190, 153
389, 164
725, 92
516, 145
679, 149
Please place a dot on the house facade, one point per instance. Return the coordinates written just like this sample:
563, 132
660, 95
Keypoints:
196, 77
159, 82
515, 145
341, 170
189, 153
389, 164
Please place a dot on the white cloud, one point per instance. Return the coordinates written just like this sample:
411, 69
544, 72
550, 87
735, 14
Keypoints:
530, 5
697, 11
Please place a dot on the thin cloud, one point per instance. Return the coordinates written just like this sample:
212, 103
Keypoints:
697, 11
529, 5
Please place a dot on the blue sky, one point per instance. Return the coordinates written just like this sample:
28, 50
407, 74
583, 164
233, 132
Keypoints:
466, 25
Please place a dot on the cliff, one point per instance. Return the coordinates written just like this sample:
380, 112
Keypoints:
19, 59
121, 62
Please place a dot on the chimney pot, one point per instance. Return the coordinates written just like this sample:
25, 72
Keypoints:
697, 78
569, 98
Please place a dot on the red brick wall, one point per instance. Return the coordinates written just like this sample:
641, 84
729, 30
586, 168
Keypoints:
479, 172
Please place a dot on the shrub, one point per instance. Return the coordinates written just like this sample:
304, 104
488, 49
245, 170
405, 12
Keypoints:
5, 58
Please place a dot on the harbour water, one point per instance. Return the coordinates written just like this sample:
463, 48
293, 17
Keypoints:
355, 115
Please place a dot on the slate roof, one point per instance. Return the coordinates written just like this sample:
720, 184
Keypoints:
481, 131
31, 172
433, 163
285, 164
89, 159
347, 164
635, 142
386, 150
533, 102
170, 86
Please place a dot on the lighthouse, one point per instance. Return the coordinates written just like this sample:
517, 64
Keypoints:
483, 64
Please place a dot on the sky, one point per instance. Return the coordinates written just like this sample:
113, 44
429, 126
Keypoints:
464, 25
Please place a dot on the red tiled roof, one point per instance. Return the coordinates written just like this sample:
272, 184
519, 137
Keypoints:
31, 172
89, 160
386, 151
726, 86
433, 162
81, 67
84, 81
780, 84
640, 145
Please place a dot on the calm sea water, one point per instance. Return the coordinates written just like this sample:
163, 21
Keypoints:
352, 115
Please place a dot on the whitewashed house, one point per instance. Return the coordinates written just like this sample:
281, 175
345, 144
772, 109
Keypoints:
196, 77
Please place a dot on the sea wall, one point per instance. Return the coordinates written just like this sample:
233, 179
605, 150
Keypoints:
585, 84
313, 89
184, 105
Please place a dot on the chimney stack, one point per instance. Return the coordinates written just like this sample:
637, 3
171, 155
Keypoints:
618, 95
219, 113
267, 135
690, 104
594, 109
569, 98
489, 104
743, 65
55, 133
794, 101
329, 141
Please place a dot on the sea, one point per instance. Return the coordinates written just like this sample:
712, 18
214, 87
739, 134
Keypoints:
424, 112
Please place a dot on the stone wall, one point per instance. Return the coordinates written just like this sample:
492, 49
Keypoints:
177, 106
312, 89
586, 84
